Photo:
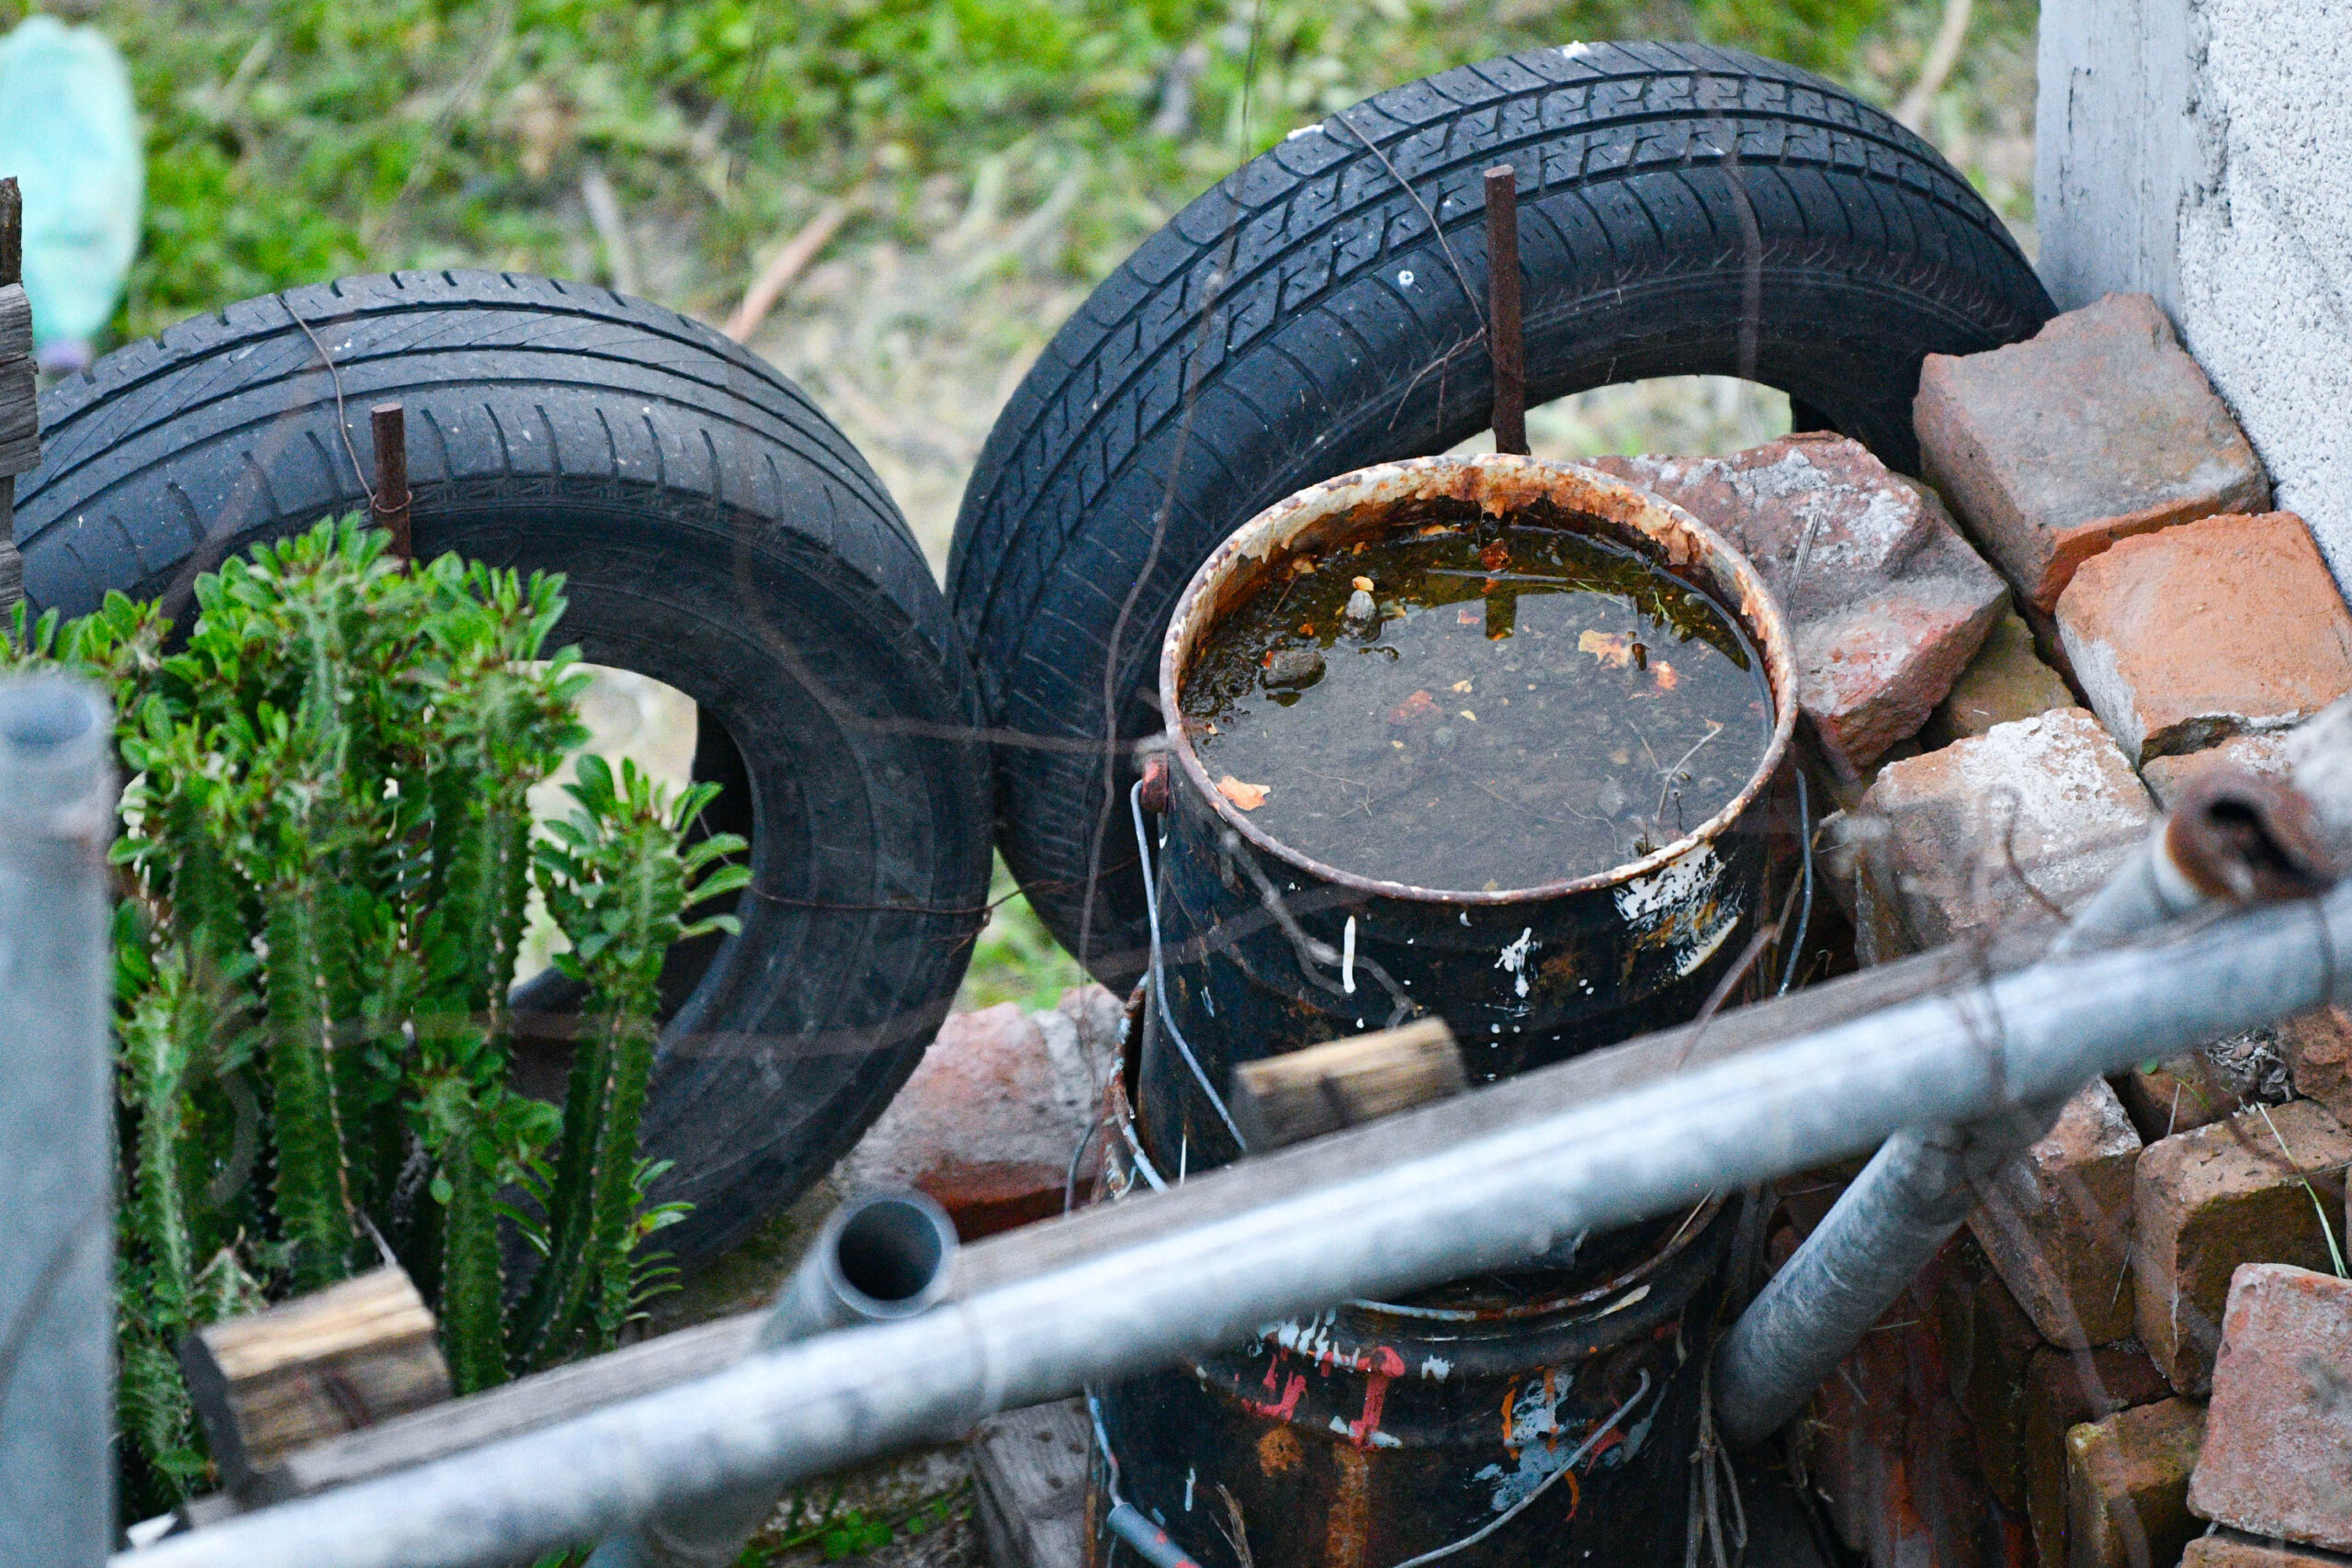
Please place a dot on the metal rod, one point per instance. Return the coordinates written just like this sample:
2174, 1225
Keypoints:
1455, 1188
389, 422
2234, 838
1506, 345
57, 1124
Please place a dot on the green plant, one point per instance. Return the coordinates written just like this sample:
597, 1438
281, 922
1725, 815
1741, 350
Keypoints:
328, 853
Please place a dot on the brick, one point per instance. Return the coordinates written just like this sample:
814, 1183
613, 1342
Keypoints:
2006, 680
1991, 1385
2097, 427
2210, 1199
2263, 751
2063, 1389
2226, 1549
2277, 1454
1886, 601
2200, 1087
1988, 828
988, 1121
2055, 1222
2216, 628
2127, 1486
2319, 1058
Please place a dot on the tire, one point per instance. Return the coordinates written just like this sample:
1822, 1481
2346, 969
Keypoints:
1300, 320
717, 532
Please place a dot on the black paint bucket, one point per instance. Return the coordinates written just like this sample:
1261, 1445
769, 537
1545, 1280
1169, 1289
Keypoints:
1262, 950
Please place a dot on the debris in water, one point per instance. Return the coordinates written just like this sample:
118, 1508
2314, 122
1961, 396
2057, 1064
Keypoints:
1288, 668
1247, 797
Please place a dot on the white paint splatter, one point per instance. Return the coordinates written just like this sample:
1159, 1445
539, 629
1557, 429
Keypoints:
1513, 959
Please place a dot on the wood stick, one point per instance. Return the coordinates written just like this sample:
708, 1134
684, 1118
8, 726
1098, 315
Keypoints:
784, 266
389, 423
317, 1366
1305, 1094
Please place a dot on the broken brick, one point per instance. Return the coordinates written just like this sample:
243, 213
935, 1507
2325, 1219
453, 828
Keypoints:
2225, 626
2127, 1485
2263, 751
2063, 1389
2172, 1096
2097, 427
2055, 1222
2006, 680
2277, 1454
2251, 1188
988, 1120
2227, 1549
1886, 601
2319, 1057
2030, 814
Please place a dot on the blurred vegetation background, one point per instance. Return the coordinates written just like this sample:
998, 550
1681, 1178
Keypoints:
987, 160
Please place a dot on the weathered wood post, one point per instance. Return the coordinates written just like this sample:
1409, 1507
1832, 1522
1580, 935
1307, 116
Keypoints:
56, 1125
19, 410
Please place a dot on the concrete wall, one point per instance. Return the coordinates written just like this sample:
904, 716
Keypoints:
2200, 151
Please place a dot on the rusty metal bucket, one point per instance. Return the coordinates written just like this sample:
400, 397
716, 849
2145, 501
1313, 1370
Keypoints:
1542, 1415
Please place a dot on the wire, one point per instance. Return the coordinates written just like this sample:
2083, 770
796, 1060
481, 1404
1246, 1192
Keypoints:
1804, 910
1160, 982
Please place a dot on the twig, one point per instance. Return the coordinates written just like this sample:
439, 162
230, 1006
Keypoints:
612, 231
1943, 53
787, 263
1669, 774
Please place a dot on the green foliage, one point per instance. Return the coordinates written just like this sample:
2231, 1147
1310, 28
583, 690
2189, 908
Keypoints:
294, 140
328, 855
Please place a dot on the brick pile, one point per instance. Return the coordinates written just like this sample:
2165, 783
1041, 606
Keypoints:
2145, 1346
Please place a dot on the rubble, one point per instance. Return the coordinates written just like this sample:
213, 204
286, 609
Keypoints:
2127, 1485
2055, 1222
2277, 1454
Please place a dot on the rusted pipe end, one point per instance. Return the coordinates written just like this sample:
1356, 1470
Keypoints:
2239, 837
1154, 783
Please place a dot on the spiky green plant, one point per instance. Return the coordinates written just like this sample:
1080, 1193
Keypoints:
327, 859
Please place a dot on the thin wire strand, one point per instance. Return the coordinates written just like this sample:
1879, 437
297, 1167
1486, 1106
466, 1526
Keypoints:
341, 420
1804, 909
1159, 982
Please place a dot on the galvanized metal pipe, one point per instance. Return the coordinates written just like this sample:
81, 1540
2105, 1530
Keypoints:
1427, 1196
57, 1125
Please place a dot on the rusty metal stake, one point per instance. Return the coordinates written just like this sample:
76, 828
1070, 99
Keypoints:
390, 424
1505, 345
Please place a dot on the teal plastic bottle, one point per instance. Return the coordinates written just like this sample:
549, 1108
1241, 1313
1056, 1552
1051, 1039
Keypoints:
70, 134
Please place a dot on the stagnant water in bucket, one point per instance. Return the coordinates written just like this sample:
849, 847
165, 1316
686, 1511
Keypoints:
1526, 705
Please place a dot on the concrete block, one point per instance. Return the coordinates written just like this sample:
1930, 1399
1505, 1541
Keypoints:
2220, 627
2319, 1056
1886, 600
2277, 1454
2006, 680
2001, 825
2127, 1485
2263, 751
987, 1123
2097, 428
2251, 1188
2063, 1389
2055, 1222
2227, 1549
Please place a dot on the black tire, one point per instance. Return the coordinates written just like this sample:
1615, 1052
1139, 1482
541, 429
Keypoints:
716, 532
1299, 320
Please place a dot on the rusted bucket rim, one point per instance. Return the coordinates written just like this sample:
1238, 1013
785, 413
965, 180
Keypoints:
1498, 483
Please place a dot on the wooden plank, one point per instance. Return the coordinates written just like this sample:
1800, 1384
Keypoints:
1029, 1484
1304, 1094
323, 1364
558, 1396
15, 323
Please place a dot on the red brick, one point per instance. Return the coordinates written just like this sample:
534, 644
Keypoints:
2056, 1223
2263, 751
2174, 1096
988, 1121
1886, 600
1991, 1386
1984, 831
2278, 1455
2208, 1199
2319, 1055
2127, 1486
2097, 427
2216, 628
2226, 1549
2063, 1389
2006, 680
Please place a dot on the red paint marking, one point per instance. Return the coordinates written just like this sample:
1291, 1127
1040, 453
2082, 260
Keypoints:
1386, 1364
1280, 1409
